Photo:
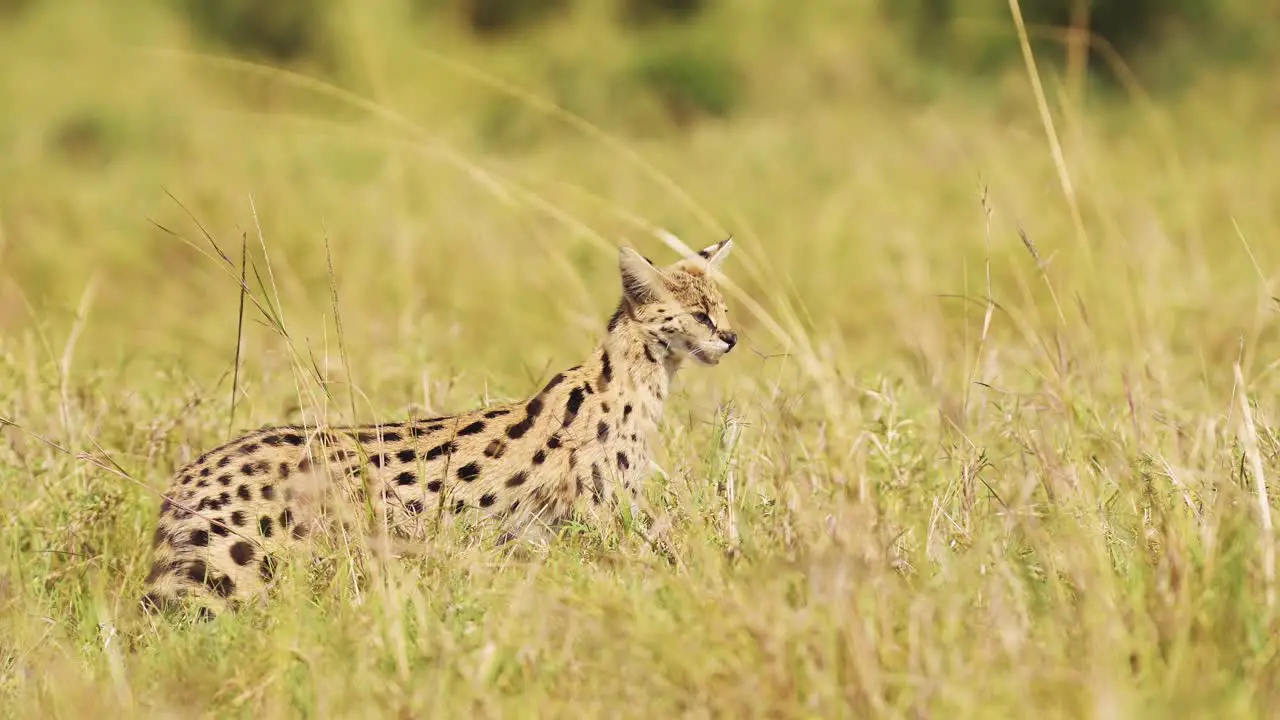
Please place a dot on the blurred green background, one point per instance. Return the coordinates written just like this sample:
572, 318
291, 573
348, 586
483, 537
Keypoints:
770, 117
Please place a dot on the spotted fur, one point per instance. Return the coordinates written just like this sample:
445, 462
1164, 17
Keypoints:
575, 449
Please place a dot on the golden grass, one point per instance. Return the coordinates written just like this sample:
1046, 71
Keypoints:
964, 465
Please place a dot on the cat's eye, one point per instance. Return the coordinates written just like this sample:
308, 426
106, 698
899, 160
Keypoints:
704, 319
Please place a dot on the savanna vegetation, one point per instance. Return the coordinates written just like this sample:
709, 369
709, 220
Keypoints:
1000, 440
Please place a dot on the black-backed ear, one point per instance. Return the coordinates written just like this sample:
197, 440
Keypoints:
710, 257
641, 282
716, 254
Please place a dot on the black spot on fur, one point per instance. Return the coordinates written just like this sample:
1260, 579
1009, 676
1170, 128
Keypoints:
204, 471
559, 378
469, 472
496, 413
540, 457
414, 506
151, 602
434, 485
224, 461
495, 449
391, 437
249, 469
272, 440
458, 507
649, 355
597, 482
518, 479
284, 471
473, 428
268, 492
488, 500
623, 462
340, 455
299, 531
445, 448
237, 518
286, 518
293, 439
407, 455
200, 538
573, 405
159, 568
249, 449
197, 571
222, 586
304, 465
532, 410
218, 527
242, 552
606, 369
224, 479
366, 437
267, 568
265, 527
626, 411
406, 478
242, 492
553, 442
602, 431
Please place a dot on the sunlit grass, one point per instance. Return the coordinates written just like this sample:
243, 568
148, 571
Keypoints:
985, 463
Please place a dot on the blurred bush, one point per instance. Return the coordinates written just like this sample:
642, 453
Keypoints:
978, 35
284, 31
641, 13
86, 138
690, 78
10, 9
488, 18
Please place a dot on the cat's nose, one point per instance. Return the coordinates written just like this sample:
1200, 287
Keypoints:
730, 337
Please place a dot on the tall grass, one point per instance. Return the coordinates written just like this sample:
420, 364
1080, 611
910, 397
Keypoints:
974, 458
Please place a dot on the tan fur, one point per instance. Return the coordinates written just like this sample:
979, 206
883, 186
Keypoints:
575, 449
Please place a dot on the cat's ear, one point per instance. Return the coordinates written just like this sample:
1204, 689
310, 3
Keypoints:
710, 257
716, 254
642, 283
